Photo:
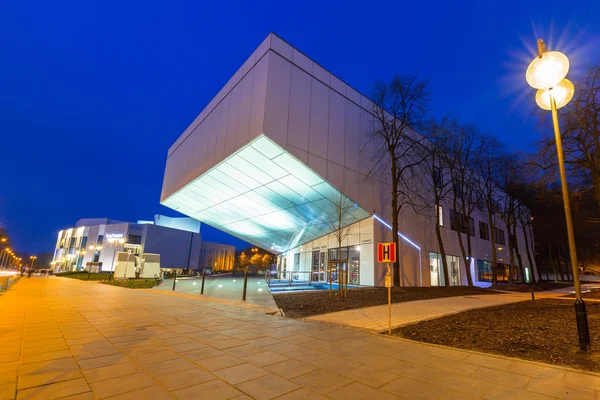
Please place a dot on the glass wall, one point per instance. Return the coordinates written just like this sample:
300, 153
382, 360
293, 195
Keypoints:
485, 272
350, 261
436, 270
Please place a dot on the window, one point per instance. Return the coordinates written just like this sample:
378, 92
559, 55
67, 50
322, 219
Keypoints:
100, 239
484, 231
458, 222
440, 215
83, 242
484, 271
458, 190
498, 235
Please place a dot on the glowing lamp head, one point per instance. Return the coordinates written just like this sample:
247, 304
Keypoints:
562, 93
548, 70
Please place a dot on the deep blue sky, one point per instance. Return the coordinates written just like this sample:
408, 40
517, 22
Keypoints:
93, 93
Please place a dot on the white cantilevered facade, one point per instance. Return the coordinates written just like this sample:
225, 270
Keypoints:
272, 154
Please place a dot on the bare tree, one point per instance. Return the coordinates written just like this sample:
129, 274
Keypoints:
465, 148
580, 137
490, 163
340, 228
436, 182
399, 109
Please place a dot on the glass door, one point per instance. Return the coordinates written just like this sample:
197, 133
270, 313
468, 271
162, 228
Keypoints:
323, 266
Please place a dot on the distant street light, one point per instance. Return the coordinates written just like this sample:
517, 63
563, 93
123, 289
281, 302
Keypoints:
32, 260
547, 73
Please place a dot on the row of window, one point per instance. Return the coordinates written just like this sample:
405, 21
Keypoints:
458, 222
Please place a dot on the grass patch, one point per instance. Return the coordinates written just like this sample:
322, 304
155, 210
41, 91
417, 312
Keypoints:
84, 276
298, 305
544, 330
133, 283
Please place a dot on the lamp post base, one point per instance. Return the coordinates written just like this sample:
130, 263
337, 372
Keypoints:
582, 325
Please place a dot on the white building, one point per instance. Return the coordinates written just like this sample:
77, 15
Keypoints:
98, 240
272, 153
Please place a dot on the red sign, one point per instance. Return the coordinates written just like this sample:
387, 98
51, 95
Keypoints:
386, 252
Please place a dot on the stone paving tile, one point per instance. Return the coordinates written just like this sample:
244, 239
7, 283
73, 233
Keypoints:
8, 391
265, 358
240, 373
27, 381
111, 371
122, 384
173, 365
219, 362
369, 376
55, 390
407, 388
161, 344
151, 392
322, 381
267, 387
212, 390
290, 369
357, 391
103, 361
189, 377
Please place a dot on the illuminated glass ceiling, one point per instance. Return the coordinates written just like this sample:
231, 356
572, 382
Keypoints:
265, 196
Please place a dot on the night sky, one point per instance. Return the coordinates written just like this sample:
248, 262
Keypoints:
93, 93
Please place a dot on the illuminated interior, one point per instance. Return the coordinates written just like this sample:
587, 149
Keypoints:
265, 196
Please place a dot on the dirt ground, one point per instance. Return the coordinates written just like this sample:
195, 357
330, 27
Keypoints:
298, 305
544, 330
537, 287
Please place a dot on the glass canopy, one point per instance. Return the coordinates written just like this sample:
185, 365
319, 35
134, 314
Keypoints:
265, 196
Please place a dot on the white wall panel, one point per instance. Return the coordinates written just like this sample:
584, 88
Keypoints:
352, 185
319, 119
338, 85
335, 175
352, 137
299, 115
278, 99
222, 128
280, 46
321, 74
337, 123
318, 164
353, 94
299, 154
213, 121
302, 61
259, 94
232, 122
247, 86
366, 154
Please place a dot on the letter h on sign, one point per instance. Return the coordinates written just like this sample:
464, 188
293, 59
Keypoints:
386, 252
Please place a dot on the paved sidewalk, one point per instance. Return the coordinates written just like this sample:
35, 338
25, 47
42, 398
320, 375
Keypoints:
376, 317
63, 338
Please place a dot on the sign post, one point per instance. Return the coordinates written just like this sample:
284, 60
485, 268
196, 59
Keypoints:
386, 253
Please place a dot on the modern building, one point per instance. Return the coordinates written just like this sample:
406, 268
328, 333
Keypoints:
177, 240
284, 142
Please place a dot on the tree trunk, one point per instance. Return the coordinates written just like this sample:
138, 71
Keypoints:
438, 232
512, 262
395, 227
529, 259
469, 252
519, 259
493, 242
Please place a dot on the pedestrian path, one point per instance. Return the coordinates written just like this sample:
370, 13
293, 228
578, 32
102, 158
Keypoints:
64, 338
376, 317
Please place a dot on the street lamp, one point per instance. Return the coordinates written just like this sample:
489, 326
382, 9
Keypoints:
4, 255
32, 260
547, 73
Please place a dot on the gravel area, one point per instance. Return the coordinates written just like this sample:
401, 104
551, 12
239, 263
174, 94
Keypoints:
544, 330
298, 305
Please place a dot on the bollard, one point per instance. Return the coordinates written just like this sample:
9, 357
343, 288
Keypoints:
532, 295
174, 280
203, 276
245, 283
269, 281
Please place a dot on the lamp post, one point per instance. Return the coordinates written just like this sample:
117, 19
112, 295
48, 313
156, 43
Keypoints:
547, 73
116, 243
32, 260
